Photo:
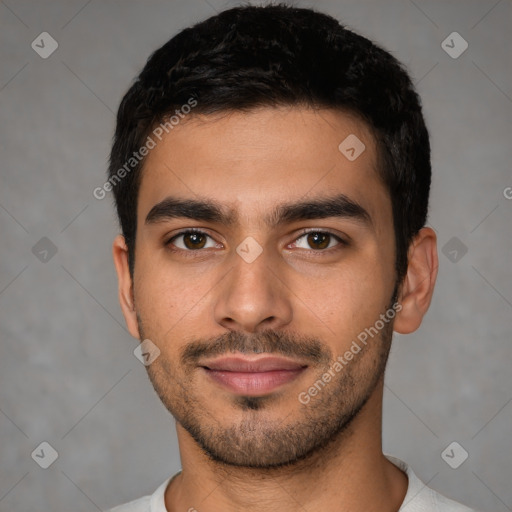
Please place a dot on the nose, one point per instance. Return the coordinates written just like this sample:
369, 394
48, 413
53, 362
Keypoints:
252, 297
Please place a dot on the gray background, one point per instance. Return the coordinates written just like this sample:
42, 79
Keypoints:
68, 373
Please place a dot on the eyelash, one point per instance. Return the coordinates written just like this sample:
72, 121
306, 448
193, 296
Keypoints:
192, 253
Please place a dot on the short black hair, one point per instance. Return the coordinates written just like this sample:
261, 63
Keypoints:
270, 56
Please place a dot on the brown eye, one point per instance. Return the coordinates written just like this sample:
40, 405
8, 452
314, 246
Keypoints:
191, 240
194, 240
318, 240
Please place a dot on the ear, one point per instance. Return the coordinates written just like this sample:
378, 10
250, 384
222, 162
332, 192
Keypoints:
125, 285
418, 285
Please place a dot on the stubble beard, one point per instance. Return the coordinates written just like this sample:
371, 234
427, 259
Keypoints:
259, 441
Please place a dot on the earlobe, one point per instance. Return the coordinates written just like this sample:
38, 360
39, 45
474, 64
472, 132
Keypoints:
125, 284
418, 285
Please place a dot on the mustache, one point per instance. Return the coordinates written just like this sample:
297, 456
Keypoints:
268, 341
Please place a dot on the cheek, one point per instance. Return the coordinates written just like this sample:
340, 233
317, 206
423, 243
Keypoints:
355, 303
349, 297
167, 298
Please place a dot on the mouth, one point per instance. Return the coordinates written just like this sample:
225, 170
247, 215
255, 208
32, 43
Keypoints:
250, 376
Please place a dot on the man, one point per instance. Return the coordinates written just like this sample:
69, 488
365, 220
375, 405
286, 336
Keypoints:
271, 171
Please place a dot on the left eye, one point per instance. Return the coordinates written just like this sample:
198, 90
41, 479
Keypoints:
317, 240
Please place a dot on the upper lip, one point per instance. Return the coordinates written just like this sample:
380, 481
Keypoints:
262, 364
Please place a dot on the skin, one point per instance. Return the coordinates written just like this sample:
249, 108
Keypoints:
272, 452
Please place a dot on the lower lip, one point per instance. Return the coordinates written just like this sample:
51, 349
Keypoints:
253, 384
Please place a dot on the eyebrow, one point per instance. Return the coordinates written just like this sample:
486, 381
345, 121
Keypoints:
208, 210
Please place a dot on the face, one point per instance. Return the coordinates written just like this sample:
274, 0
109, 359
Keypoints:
260, 243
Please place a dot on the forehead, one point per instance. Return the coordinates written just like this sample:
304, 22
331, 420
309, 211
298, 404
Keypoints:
252, 162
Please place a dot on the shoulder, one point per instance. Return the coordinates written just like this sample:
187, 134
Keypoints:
420, 498
447, 505
139, 505
153, 503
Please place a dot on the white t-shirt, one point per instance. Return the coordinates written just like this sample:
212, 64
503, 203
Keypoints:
419, 497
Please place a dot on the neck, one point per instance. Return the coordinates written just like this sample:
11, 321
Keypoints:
350, 473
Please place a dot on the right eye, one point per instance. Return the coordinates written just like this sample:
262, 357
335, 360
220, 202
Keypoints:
191, 240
